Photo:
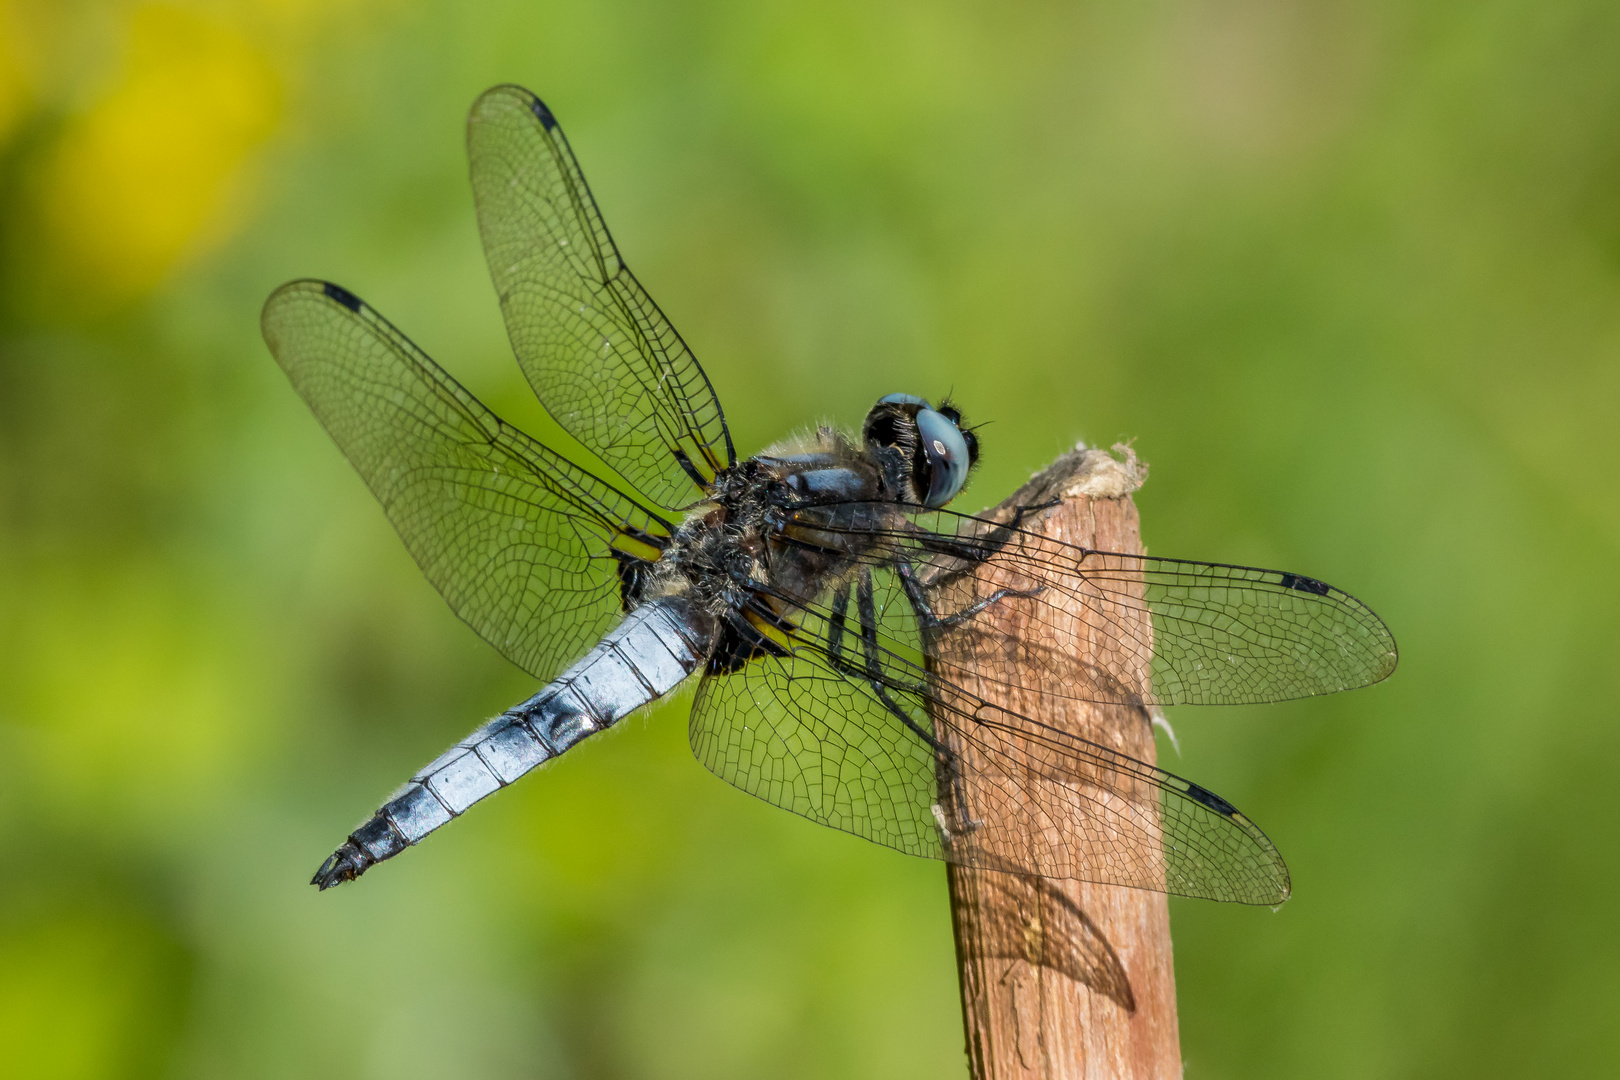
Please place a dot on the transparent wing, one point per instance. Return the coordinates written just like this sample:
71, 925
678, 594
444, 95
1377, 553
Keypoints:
848, 726
535, 554
599, 353
796, 732
1150, 631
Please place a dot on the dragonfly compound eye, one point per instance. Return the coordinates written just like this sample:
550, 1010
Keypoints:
946, 452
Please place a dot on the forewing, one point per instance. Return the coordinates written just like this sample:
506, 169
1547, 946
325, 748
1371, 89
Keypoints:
1132, 629
860, 735
599, 353
531, 551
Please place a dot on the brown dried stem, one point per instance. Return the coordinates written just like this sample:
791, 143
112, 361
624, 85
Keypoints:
1060, 979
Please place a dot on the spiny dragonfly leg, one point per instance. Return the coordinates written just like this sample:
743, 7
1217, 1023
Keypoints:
977, 550
873, 672
1021, 512
966, 825
835, 629
933, 621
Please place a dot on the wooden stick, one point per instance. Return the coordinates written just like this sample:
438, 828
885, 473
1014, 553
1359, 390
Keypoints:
1063, 980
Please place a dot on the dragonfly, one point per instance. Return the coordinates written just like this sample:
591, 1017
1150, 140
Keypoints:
847, 632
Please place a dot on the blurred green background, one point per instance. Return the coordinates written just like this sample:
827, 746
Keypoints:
1347, 273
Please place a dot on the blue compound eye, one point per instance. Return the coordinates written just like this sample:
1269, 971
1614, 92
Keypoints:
903, 399
947, 454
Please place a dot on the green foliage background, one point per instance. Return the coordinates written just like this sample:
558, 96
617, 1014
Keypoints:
1347, 273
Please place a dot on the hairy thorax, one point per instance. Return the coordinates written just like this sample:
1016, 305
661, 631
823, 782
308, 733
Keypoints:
778, 530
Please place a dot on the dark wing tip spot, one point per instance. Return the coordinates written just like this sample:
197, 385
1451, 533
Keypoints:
1301, 583
341, 295
542, 114
1210, 799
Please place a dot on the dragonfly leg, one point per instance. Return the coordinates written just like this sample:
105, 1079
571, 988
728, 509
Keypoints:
932, 620
1033, 508
872, 674
835, 629
952, 782
873, 671
973, 552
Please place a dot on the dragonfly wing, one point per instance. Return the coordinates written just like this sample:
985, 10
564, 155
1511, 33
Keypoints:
794, 729
1133, 629
534, 553
854, 724
599, 353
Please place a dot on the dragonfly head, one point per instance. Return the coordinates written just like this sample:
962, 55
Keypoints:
926, 454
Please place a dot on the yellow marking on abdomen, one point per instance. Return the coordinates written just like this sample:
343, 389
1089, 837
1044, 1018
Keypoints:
635, 547
768, 630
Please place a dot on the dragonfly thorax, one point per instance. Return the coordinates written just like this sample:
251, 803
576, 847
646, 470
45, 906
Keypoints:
781, 529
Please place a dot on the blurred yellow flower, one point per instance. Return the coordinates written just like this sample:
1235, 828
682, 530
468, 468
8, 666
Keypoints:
147, 176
